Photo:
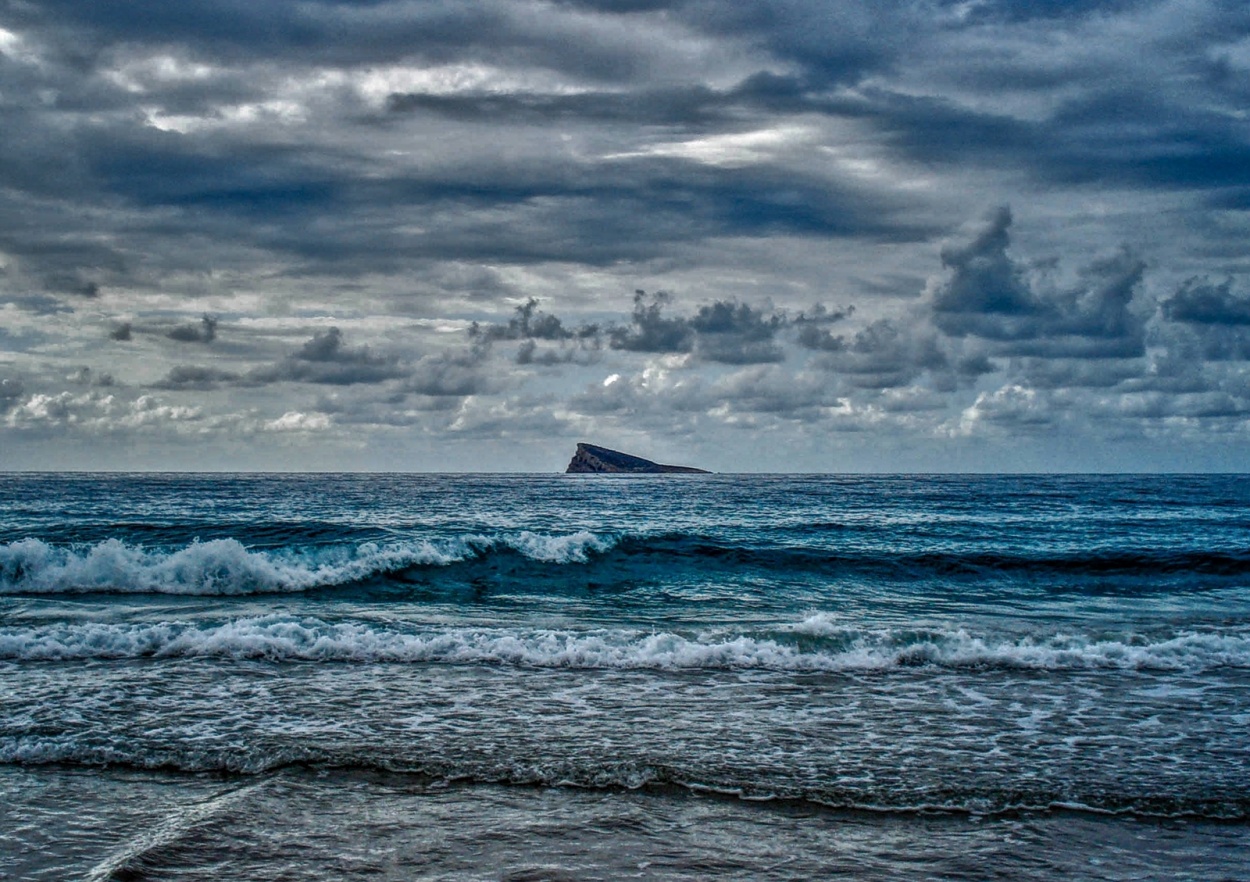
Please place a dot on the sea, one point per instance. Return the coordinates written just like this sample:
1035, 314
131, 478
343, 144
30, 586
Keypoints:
574, 677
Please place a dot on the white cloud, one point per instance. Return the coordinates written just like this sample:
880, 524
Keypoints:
1010, 407
294, 421
732, 150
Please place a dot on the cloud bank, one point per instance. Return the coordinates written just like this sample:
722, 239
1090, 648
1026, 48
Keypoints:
776, 236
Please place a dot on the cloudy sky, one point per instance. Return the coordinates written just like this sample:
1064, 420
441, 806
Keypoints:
770, 236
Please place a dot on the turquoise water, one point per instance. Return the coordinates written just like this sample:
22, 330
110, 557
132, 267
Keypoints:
592, 677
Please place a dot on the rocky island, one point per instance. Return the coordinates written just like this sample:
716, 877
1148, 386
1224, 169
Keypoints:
590, 459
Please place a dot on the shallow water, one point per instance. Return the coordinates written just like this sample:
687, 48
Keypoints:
328, 824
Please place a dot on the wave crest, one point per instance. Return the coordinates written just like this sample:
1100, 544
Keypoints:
281, 639
228, 567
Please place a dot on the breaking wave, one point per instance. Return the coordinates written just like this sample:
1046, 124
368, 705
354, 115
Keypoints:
227, 567
811, 646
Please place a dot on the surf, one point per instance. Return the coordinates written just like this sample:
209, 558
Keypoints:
810, 646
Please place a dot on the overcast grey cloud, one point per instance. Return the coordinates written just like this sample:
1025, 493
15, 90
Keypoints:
722, 331
987, 294
1203, 302
780, 235
204, 332
327, 360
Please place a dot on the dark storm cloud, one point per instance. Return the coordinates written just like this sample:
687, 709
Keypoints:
812, 333
1138, 138
325, 359
631, 209
48, 220
975, 365
650, 330
328, 347
318, 32
1206, 321
1162, 116
195, 377
474, 209
736, 333
656, 201
204, 180
260, 192
530, 323
690, 107
886, 355
1010, 11
987, 294
1108, 133
1203, 302
529, 352
1210, 405
833, 44
723, 331
820, 314
267, 193
686, 108
85, 376
990, 295
1062, 373
69, 283
240, 342
204, 332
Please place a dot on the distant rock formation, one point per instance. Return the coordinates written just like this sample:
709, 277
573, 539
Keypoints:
592, 460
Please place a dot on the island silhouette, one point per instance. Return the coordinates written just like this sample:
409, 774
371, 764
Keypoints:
592, 459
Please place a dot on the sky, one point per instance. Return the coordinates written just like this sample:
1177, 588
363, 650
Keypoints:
778, 236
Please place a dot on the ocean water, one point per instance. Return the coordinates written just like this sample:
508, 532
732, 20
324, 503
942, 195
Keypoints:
596, 677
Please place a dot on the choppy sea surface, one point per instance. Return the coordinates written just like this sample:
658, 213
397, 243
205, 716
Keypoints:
594, 677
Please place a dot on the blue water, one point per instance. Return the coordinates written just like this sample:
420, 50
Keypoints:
590, 677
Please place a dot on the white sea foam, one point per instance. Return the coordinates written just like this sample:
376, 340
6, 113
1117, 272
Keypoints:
166, 832
820, 624
571, 548
280, 638
226, 566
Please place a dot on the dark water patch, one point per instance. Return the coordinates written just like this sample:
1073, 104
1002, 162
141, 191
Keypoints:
175, 534
662, 780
